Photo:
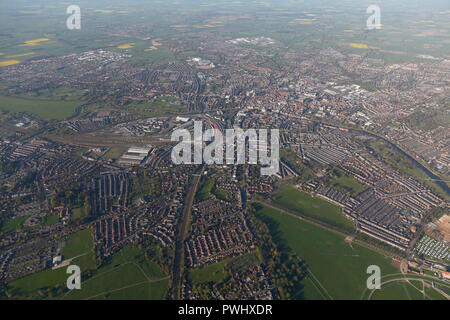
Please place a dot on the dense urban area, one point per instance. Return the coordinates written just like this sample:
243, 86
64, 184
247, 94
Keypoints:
87, 178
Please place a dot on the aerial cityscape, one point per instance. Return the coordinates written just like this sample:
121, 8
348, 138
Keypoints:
224, 150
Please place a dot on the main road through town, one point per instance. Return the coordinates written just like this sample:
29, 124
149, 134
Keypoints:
183, 231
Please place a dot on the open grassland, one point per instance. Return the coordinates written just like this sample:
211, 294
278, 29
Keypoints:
79, 213
12, 225
214, 272
346, 183
79, 243
115, 152
79, 247
397, 291
44, 109
159, 107
50, 219
217, 272
144, 291
402, 290
128, 275
336, 269
54, 94
312, 207
206, 189
36, 285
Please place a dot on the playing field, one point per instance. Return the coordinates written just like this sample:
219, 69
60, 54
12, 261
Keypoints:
129, 275
79, 247
316, 208
337, 270
78, 243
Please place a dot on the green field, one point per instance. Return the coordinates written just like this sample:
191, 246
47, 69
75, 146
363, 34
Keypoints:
348, 183
157, 57
12, 225
218, 272
129, 275
406, 291
79, 243
78, 214
144, 291
115, 152
37, 285
78, 246
50, 219
337, 270
312, 207
206, 189
397, 290
161, 106
44, 109
214, 272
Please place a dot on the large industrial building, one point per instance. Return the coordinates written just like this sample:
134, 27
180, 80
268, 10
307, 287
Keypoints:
135, 155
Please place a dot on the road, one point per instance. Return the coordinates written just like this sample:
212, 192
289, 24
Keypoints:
183, 231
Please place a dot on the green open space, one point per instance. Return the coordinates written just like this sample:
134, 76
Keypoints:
397, 291
336, 269
206, 189
50, 219
12, 225
115, 152
345, 182
349, 184
143, 291
214, 272
401, 290
38, 285
313, 207
79, 213
43, 109
128, 275
55, 94
218, 271
78, 243
161, 106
